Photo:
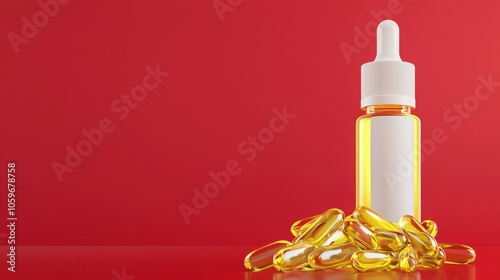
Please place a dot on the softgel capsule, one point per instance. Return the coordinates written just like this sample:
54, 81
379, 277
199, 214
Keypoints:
364, 241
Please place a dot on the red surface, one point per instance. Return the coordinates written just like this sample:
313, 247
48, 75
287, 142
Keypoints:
228, 82
164, 262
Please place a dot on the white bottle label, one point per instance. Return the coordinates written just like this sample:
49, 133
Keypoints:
392, 166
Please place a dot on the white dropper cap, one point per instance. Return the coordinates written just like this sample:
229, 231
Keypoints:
388, 79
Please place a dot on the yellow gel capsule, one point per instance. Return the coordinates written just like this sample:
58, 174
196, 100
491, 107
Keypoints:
293, 257
262, 258
338, 237
359, 234
431, 227
307, 268
332, 257
373, 219
408, 259
390, 240
435, 261
366, 261
302, 225
322, 228
418, 236
458, 254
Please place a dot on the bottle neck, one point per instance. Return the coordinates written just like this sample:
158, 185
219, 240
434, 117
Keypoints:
387, 109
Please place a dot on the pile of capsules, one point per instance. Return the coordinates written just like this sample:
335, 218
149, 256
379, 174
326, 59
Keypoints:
364, 240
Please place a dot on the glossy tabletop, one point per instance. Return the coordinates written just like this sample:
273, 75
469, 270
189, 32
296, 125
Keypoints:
171, 262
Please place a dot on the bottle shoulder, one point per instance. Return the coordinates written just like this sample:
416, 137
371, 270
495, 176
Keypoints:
367, 117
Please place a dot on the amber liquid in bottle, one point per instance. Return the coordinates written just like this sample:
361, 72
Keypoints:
388, 161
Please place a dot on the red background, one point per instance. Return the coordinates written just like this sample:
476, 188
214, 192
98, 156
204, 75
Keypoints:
226, 76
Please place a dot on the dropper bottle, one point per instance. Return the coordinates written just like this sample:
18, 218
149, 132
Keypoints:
388, 135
